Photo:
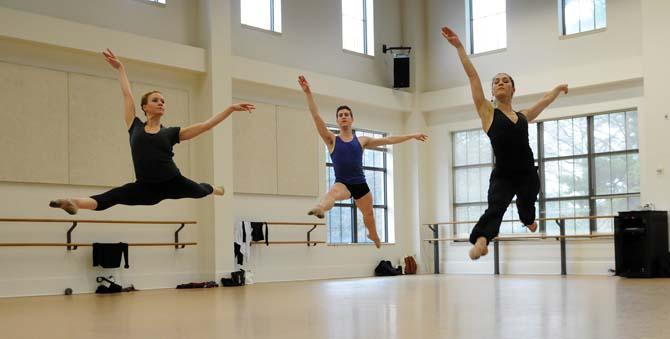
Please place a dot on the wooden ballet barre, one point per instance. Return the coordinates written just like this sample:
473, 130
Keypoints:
75, 222
286, 223
516, 220
291, 242
309, 241
562, 237
532, 236
140, 244
92, 221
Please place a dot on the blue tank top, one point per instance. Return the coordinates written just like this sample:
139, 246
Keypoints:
348, 161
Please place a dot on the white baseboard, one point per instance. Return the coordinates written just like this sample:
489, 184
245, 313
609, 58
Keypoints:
277, 274
528, 267
87, 284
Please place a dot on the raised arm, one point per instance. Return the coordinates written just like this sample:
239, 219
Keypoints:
549, 97
367, 142
128, 101
194, 130
483, 106
327, 136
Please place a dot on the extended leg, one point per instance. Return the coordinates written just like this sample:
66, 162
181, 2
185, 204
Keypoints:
337, 192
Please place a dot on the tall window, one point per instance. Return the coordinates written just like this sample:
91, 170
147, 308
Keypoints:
588, 166
345, 222
358, 26
583, 15
616, 165
265, 14
488, 25
473, 161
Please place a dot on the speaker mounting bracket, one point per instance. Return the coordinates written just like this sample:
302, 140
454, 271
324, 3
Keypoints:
385, 48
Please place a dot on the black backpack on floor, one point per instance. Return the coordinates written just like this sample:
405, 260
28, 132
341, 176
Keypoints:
385, 269
236, 279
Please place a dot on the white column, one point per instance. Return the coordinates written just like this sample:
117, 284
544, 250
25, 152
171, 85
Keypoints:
413, 35
654, 115
216, 224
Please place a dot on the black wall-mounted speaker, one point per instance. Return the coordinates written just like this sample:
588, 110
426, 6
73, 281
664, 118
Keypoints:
400, 71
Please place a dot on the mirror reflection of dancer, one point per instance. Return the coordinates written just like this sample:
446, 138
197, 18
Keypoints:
157, 175
346, 151
514, 172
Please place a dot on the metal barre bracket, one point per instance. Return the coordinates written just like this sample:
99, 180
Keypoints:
69, 237
308, 236
176, 238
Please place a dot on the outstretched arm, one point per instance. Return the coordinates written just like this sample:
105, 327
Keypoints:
128, 101
193, 131
483, 106
327, 136
367, 142
549, 97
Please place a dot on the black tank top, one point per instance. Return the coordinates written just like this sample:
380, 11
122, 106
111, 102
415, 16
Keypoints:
510, 145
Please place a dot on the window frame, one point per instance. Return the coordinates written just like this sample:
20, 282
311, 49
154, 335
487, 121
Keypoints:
470, 31
272, 19
368, 50
563, 27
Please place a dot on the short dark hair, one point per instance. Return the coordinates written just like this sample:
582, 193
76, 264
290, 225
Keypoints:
341, 108
509, 76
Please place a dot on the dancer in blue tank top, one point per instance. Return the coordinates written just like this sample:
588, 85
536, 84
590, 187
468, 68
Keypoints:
346, 151
514, 172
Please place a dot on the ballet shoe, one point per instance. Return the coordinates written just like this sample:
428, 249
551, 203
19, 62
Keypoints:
66, 204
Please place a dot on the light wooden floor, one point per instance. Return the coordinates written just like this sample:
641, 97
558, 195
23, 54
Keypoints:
444, 306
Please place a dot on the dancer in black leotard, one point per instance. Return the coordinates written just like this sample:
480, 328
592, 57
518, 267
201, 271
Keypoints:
514, 172
157, 175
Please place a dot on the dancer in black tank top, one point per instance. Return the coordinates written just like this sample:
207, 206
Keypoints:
157, 176
514, 172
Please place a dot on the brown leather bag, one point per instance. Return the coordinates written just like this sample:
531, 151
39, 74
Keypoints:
410, 265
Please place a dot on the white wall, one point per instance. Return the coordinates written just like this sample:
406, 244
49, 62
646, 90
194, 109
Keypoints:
654, 136
311, 40
534, 45
177, 22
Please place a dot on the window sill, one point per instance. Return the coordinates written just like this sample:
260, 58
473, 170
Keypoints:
357, 53
359, 244
581, 34
495, 51
254, 28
